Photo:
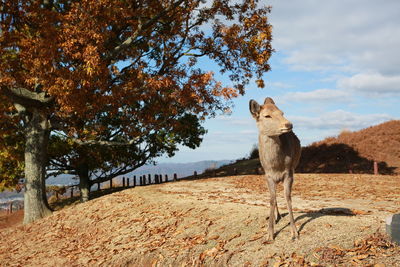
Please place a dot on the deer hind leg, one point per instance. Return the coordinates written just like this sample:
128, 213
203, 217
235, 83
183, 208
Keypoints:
273, 207
287, 185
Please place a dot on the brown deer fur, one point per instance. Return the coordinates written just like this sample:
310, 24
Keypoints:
279, 150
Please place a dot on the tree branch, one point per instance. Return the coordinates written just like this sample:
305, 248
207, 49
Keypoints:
121, 172
27, 98
105, 143
141, 28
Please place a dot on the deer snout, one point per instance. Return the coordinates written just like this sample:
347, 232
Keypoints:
287, 126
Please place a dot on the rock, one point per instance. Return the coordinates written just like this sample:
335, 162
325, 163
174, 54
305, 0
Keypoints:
393, 227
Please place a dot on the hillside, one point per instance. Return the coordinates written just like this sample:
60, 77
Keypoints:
216, 222
349, 152
356, 151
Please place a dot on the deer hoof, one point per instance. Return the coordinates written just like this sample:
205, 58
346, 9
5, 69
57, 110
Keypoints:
270, 237
295, 236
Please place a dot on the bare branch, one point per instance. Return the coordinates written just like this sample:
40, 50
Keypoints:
122, 171
27, 98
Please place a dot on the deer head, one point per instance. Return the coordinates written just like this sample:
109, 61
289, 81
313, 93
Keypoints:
269, 118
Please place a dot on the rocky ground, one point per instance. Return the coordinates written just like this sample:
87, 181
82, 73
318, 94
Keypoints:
216, 222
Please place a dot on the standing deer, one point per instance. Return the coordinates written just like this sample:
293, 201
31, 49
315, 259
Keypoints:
279, 150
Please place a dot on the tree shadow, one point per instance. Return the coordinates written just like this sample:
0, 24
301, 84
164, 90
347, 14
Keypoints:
337, 158
313, 215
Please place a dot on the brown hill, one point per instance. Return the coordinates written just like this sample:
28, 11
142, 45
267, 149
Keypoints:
356, 151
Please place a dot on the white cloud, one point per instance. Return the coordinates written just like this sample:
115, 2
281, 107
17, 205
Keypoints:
339, 119
372, 83
320, 95
249, 132
279, 85
235, 121
357, 35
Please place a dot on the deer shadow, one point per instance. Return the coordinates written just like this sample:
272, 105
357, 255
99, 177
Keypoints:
314, 215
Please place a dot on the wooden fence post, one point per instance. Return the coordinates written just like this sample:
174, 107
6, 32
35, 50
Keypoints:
10, 207
123, 181
141, 180
166, 178
376, 170
110, 183
149, 176
160, 177
72, 191
127, 182
98, 186
175, 177
195, 175
156, 180
134, 181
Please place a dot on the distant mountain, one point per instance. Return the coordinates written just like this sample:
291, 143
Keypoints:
181, 169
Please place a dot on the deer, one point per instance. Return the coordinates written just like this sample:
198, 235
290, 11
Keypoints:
279, 152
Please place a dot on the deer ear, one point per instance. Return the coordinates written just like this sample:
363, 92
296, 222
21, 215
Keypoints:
269, 100
254, 108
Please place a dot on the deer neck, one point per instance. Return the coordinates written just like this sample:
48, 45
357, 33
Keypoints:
269, 142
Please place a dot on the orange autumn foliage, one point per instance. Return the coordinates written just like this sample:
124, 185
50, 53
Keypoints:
96, 55
73, 66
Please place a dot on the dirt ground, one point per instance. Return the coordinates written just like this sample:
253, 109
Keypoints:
217, 222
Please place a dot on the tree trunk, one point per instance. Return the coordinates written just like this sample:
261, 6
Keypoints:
37, 136
84, 182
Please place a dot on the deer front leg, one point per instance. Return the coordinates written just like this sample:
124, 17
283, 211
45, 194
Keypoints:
277, 215
273, 207
287, 185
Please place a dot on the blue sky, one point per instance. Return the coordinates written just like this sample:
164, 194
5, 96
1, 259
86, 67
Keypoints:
336, 67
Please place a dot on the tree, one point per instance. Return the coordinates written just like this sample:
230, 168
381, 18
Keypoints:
100, 161
64, 62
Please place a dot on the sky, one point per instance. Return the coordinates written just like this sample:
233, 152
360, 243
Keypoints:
336, 67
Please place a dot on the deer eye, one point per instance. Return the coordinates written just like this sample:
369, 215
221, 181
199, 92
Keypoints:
267, 116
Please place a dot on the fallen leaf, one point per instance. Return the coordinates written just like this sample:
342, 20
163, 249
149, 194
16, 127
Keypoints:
360, 257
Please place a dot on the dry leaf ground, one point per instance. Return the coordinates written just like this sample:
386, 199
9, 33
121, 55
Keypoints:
216, 222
